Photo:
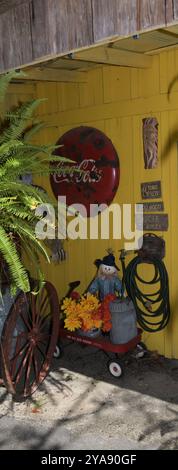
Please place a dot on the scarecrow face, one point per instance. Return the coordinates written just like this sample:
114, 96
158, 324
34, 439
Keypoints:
108, 269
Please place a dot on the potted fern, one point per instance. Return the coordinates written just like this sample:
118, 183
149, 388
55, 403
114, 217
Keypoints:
20, 157
18, 200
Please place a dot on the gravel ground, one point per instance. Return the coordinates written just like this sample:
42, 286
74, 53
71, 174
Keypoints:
81, 398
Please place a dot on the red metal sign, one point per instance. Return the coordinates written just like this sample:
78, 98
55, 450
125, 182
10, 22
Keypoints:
96, 161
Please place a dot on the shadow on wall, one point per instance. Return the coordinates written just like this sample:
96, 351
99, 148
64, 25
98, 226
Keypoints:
173, 136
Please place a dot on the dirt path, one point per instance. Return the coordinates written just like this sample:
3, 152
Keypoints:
81, 395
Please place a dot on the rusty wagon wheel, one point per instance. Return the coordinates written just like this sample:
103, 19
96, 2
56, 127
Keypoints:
29, 339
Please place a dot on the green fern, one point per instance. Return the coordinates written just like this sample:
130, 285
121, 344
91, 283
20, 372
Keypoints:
18, 200
18, 123
4, 83
16, 268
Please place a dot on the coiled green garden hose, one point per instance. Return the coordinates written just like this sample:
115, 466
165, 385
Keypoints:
150, 317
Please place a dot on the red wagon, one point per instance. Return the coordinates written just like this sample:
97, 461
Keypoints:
102, 342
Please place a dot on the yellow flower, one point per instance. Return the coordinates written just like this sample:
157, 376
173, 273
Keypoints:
72, 323
82, 313
67, 302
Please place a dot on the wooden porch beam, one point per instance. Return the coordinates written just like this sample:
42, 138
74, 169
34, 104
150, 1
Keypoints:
113, 56
53, 75
35, 31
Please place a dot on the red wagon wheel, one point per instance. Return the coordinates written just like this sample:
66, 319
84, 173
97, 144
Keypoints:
29, 339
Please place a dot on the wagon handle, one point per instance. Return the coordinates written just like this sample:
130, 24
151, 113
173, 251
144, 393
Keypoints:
72, 286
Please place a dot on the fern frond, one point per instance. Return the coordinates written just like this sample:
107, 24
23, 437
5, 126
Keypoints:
26, 231
18, 211
18, 123
34, 130
5, 80
34, 258
16, 268
15, 188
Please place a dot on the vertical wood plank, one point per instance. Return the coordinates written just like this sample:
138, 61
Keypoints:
70, 96
172, 69
175, 9
169, 11
151, 13
91, 93
41, 93
60, 26
15, 38
116, 83
166, 187
149, 77
114, 17
134, 83
8, 4
163, 72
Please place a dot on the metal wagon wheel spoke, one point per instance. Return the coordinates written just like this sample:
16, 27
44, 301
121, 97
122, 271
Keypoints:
44, 320
35, 365
41, 302
21, 367
29, 339
25, 321
41, 352
19, 352
28, 371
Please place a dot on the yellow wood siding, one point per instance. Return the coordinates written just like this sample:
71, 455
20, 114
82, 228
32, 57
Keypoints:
115, 100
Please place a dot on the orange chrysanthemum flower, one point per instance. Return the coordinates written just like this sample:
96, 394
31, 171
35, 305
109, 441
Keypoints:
87, 313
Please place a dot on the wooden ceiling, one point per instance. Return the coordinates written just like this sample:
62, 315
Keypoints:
135, 51
149, 42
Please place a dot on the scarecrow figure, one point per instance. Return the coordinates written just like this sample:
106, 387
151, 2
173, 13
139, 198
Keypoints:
107, 280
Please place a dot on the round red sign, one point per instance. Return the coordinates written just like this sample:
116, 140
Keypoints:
96, 161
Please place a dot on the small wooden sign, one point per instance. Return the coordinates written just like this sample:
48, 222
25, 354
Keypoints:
151, 190
152, 206
153, 222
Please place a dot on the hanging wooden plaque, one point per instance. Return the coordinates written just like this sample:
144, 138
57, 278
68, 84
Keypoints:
155, 206
150, 142
151, 190
153, 222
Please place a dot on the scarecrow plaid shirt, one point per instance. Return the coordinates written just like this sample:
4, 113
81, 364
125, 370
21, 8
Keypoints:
105, 286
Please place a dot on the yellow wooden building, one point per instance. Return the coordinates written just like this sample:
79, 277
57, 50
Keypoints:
114, 90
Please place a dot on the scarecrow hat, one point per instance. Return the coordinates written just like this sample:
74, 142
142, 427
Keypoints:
108, 260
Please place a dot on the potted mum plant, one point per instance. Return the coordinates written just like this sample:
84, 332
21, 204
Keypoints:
86, 314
